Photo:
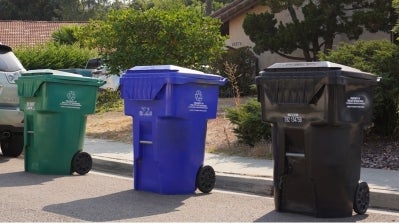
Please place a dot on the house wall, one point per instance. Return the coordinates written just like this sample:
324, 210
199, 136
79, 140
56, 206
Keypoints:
238, 38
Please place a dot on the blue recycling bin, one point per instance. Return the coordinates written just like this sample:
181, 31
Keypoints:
170, 106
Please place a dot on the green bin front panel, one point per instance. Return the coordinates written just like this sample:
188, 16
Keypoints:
51, 140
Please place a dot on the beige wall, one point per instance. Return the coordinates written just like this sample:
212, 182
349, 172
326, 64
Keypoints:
238, 38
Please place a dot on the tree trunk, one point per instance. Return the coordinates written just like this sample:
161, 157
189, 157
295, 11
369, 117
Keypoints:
208, 7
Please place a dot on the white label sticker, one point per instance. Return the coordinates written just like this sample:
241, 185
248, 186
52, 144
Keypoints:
145, 112
30, 106
70, 101
198, 105
355, 102
293, 118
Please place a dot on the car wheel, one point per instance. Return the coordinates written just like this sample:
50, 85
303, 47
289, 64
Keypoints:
13, 146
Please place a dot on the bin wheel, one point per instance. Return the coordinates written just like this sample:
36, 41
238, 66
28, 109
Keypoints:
362, 198
13, 146
206, 179
81, 163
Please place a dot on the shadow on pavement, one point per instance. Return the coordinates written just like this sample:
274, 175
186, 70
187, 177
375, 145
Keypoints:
4, 159
275, 216
22, 178
119, 206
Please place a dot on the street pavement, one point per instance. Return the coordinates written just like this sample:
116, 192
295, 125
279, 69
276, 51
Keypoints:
240, 174
99, 197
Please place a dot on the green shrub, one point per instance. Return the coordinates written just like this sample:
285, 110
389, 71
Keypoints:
246, 70
54, 56
109, 100
380, 58
65, 35
249, 126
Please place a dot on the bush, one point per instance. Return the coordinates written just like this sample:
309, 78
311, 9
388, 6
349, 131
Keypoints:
380, 58
249, 126
54, 56
109, 100
245, 63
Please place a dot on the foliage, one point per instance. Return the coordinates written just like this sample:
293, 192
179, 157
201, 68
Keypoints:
249, 127
29, 10
54, 56
395, 5
83, 10
164, 4
65, 35
312, 25
180, 36
380, 58
246, 63
109, 100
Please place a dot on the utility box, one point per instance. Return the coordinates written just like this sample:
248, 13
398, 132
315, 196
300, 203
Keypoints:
318, 111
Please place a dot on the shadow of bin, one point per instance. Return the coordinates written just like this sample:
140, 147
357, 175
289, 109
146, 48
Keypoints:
170, 106
318, 111
55, 106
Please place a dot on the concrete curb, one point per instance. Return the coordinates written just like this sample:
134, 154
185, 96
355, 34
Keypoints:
379, 198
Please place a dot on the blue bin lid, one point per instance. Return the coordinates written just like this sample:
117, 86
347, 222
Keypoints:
178, 74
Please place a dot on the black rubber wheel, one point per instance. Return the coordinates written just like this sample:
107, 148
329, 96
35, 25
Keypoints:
206, 179
13, 146
81, 163
362, 198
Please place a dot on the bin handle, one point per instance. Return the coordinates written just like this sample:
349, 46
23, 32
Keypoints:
292, 154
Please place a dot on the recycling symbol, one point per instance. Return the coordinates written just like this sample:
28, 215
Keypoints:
198, 96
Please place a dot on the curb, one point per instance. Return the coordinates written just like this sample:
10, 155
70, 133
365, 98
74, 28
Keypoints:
379, 198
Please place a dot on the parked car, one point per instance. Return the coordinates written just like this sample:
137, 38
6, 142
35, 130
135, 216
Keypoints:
11, 118
97, 69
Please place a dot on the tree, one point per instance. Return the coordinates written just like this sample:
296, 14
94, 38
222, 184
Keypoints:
179, 36
313, 25
49, 10
380, 58
395, 4
65, 35
29, 10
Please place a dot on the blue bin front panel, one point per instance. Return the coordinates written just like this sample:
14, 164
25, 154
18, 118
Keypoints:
168, 153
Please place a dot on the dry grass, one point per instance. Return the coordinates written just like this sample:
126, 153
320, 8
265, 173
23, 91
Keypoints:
219, 139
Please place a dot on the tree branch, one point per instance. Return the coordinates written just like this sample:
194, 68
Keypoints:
289, 56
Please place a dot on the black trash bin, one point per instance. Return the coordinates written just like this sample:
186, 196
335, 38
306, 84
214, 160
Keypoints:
318, 111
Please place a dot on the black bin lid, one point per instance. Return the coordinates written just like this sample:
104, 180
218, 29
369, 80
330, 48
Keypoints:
317, 66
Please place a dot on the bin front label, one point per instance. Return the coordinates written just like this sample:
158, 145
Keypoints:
145, 112
198, 105
355, 102
293, 118
70, 101
30, 106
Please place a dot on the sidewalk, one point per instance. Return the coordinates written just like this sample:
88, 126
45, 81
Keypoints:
240, 173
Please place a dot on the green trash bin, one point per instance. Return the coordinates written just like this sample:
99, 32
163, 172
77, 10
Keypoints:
55, 106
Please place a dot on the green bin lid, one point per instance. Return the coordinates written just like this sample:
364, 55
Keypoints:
30, 81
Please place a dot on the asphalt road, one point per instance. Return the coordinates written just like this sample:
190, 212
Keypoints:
98, 197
